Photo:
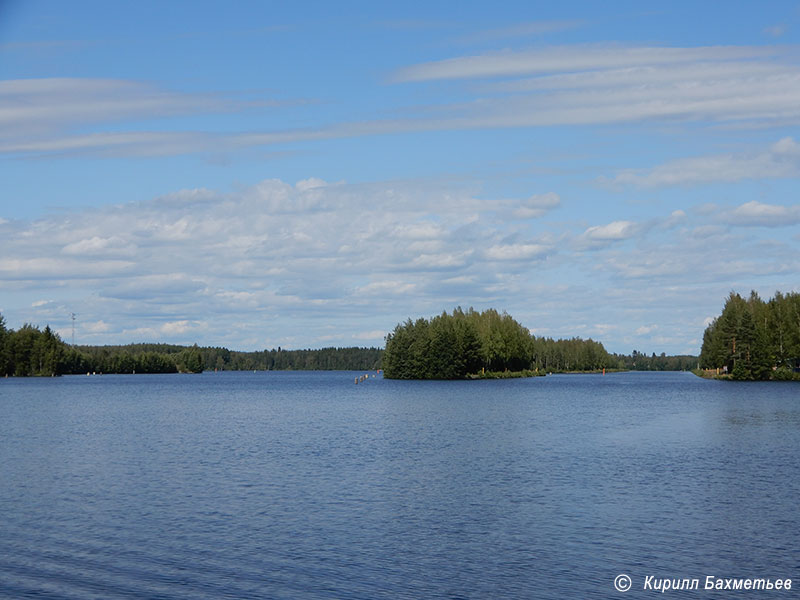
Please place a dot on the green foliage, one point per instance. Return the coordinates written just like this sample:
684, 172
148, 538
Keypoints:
753, 339
472, 343
31, 352
190, 360
638, 361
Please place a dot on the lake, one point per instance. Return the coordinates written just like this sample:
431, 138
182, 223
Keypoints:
304, 485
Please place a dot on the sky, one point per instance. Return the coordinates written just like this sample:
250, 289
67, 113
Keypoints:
310, 174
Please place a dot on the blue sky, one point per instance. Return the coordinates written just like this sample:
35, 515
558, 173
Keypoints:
263, 174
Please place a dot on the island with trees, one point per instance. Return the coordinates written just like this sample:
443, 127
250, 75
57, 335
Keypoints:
754, 339
483, 344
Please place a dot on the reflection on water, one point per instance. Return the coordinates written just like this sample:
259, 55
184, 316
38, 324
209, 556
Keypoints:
303, 485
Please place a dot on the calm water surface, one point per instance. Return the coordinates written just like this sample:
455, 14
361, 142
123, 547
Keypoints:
304, 485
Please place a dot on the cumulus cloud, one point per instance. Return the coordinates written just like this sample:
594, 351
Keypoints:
273, 248
286, 264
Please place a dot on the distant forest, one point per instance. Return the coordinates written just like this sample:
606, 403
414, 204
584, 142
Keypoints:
30, 351
755, 340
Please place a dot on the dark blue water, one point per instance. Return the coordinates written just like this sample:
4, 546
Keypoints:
304, 485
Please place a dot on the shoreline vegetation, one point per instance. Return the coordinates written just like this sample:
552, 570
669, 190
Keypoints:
492, 345
33, 352
753, 340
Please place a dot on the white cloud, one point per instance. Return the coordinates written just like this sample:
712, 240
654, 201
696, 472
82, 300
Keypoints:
239, 268
537, 205
376, 335
310, 184
571, 85
677, 217
420, 231
442, 260
386, 287
33, 268
268, 249
781, 160
96, 246
758, 214
516, 251
570, 58
600, 236
59, 100
95, 327
178, 327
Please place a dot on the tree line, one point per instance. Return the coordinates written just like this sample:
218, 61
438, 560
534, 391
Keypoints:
446, 347
754, 339
639, 361
466, 343
30, 351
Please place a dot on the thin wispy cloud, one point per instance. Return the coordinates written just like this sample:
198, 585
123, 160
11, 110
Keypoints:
573, 58
760, 214
51, 115
781, 160
28, 103
577, 86
775, 31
